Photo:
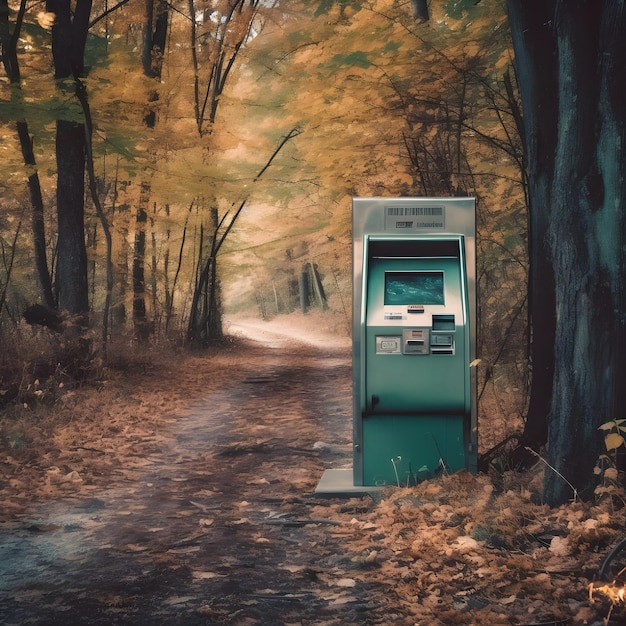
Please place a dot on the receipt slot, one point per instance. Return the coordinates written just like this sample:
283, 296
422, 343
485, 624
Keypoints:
414, 337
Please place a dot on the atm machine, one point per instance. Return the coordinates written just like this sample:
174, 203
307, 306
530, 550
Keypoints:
413, 343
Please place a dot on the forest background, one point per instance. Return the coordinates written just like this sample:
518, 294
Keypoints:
224, 141
228, 140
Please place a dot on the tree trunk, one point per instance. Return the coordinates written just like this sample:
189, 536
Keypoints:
205, 315
154, 37
140, 319
81, 93
420, 10
7, 261
119, 312
9, 40
71, 273
38, 224
304, 289
156, 313
69, 35
532, 62
571, 61
119, 267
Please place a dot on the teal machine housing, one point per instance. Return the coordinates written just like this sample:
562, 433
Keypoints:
414, 339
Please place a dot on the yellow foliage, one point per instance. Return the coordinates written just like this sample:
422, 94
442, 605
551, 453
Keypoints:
612, 441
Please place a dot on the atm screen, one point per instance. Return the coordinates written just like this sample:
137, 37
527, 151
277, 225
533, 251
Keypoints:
414, 288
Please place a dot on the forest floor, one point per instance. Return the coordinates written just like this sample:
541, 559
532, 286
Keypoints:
181, 491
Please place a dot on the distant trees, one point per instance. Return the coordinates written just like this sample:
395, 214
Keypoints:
215, 42
217, 37
187, 99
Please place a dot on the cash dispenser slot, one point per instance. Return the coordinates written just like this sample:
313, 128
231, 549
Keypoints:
443, 322
442, 340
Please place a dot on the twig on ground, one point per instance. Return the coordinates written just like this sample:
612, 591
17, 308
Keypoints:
556, 471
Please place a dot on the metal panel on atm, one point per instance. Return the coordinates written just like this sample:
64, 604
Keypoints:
401, 331
416, 391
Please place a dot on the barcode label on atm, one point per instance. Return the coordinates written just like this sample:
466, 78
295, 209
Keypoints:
402, 211
415, 218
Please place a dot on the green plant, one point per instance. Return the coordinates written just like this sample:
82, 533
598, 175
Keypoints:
608, 466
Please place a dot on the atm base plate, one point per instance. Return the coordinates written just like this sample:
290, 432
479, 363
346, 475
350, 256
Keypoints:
339, 483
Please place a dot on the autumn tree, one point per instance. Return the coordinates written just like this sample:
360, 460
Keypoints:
441, 89
215, 45
216, 40
571, 65
69, 37
9, 38
154, 36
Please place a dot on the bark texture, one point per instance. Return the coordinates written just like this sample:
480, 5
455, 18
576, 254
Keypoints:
69, 36
72, 254
571, 62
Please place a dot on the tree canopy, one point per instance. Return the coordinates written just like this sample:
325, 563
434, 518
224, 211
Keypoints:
332, 70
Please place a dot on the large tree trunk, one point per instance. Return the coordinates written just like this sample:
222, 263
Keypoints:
540, 122
571, 60
69, 35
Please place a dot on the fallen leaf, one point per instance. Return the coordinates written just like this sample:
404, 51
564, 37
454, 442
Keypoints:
206, 575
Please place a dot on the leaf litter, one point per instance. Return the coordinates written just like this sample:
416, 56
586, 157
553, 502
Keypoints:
185, 495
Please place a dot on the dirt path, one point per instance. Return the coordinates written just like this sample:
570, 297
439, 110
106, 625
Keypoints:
182, 494
216, 526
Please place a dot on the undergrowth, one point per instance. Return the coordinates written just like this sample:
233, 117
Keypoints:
39, 368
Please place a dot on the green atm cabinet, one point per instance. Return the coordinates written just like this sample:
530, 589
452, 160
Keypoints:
413, 339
